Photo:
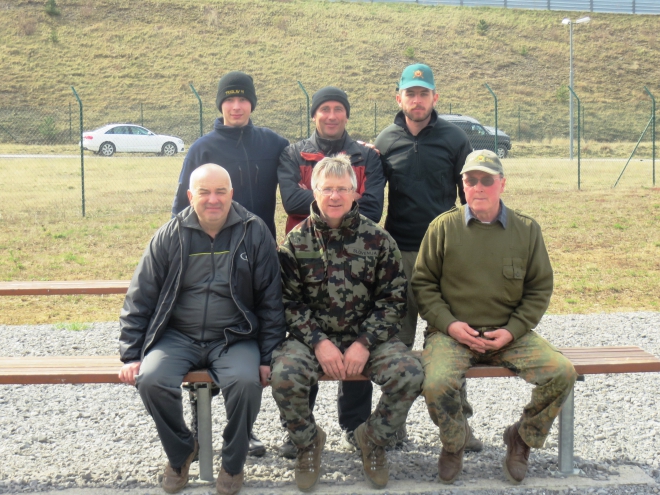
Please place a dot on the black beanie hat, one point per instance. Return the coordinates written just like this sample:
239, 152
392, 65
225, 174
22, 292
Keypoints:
330, 93
236, 83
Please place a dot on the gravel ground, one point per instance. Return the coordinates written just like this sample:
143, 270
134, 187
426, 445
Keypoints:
68, 436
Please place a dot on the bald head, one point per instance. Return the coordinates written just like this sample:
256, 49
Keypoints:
208, 170
210, 196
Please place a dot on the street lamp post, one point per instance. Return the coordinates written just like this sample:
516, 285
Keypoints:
570, 108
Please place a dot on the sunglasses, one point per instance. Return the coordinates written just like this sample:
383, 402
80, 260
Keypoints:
486, 181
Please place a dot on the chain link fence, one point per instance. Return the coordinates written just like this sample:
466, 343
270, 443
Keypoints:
39, 148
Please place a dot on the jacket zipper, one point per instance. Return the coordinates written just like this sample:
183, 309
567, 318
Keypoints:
231, 286
208, 289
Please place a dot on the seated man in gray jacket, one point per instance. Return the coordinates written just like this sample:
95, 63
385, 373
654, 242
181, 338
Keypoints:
206, 294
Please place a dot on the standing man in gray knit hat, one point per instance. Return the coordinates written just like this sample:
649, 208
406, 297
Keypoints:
330, 111
249, 154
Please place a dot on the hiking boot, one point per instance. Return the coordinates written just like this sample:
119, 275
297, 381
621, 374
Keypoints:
174, 479
473, 443
287, 449
256, 447
228, 484
517, 455
308, 463
374, 461
450, 464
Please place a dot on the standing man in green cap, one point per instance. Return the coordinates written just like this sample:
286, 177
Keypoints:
248, 153
483, 280
422, 157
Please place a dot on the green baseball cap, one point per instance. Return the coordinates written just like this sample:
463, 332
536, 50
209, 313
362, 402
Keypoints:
485, 161
417, 75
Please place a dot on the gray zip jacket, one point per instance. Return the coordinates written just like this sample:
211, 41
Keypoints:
256, 287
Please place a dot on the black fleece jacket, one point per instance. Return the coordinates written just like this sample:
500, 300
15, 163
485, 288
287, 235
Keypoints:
250, 154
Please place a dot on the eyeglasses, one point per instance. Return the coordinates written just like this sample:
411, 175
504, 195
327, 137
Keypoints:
486, 181
342, 191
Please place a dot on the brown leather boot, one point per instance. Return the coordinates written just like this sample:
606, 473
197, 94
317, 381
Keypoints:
228, 484
517, 454
175, 479
450, 464
308, 463
374, 461
473, 443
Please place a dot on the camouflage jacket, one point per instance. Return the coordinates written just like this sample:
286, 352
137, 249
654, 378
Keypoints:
344, 284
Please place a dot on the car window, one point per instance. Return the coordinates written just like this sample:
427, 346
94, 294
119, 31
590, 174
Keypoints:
477, 129
140, 131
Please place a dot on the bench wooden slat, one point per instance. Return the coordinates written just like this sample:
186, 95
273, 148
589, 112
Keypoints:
104, 369
37, 288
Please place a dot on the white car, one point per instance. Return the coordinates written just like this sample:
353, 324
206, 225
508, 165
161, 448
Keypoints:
130, 138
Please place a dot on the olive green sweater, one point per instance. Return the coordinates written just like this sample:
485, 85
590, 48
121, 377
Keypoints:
483, 274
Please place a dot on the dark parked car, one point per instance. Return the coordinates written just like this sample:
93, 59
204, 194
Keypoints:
480, 136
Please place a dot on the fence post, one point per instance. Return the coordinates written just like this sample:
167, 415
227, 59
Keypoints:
518, 122
82, 154
491, 92
309, 133
201, 115
375, 119
578, 133
652, 129
300, 108
141, 116
450, 108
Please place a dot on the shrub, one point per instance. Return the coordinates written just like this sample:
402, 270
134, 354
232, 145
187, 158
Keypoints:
51, 8
410, 52
482, 27
48, 130
562, 93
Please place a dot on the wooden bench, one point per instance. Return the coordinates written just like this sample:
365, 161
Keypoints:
105, 369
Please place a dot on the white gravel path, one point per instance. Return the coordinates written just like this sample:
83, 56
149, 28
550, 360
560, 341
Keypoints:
66, 436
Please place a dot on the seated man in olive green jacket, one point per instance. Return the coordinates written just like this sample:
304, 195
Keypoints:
483, 280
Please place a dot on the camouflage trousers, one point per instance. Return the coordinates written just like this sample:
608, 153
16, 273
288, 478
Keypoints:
531, 357
391, 365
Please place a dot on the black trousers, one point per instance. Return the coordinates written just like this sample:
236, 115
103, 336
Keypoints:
353, 403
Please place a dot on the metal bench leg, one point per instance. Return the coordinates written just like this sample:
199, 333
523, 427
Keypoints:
204, 431
566, 424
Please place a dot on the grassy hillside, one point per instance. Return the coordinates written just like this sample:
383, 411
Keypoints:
121, 53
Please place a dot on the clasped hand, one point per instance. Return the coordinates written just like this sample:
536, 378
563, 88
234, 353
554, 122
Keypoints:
466, 335
339, 366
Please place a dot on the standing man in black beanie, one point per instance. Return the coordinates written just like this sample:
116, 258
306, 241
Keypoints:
250, 155
330, 111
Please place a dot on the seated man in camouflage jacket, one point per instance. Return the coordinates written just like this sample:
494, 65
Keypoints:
344, 295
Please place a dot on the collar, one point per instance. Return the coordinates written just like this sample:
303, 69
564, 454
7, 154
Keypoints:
330, 146
349, 223
501, 216
400, 120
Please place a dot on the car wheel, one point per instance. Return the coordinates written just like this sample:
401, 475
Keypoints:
502, 151
107, 149
169, 149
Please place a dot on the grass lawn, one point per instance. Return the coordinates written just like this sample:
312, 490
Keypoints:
604, 243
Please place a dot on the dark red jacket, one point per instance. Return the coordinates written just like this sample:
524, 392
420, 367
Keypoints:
295, 170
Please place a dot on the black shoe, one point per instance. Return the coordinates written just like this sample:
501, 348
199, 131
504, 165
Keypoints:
287, 449
256, 447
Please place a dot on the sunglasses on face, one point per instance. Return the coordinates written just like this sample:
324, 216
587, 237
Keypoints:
486, 181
